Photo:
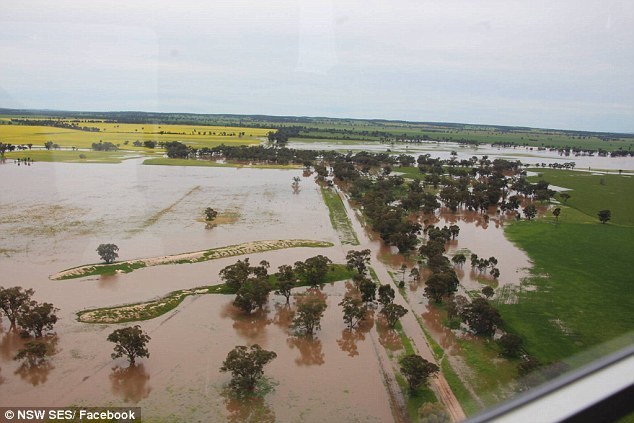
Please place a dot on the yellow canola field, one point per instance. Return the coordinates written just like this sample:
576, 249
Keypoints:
196, 136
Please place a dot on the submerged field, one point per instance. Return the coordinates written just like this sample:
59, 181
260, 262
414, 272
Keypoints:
55, 215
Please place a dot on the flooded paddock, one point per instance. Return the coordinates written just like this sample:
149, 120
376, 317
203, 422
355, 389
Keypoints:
55, 215
530, 155
312, 379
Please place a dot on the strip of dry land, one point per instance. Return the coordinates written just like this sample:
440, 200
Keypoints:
191, 257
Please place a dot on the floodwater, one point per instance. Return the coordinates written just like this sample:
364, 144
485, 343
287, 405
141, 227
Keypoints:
443, 150
53, 216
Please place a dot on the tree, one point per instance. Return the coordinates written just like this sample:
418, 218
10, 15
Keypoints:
210, 214
454, 230
440, 284
530, 211
48, 145
556, 213
358, 260
246, 366
12, 300
459, 259
386, 294
474, 260
393, 312
314, 269
564, 196
482, 317
234, 275
511, 344
285, 281
108, 252
252, 293
176, 149
130, 342
353, 311
433, 413
310, 309
417, 370
33, 354
36, 318
368, 290
488, 291
414, 274
604, 216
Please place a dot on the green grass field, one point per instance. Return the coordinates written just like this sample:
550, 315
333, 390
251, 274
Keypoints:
581, 289
339, 218
591, 193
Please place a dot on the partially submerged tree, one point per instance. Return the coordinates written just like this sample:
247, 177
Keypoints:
12, 300
35, 318
353, 311
254, 293
246, 366
310, 309
130, 342
108, 252
358, 260
368, 290
459, 259
386, 294
393, 312
417, 370
285, 281
440, 284
210, 214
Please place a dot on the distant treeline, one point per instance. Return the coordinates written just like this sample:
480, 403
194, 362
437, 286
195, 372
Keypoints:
55, 123
568, 150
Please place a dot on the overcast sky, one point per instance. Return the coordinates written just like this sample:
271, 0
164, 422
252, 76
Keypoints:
559, 64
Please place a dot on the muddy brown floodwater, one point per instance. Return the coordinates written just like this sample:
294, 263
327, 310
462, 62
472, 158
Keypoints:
53, 216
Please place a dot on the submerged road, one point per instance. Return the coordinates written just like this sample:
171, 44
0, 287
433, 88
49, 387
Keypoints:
408, 322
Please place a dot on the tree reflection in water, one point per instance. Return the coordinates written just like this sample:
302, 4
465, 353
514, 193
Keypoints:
10, 344
34, 372
350, 337
250, 409
310, 350
283, 316
130, 383
388, 337
248, 326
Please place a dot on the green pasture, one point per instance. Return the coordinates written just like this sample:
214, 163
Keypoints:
591, 193
339, 217
580, 292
